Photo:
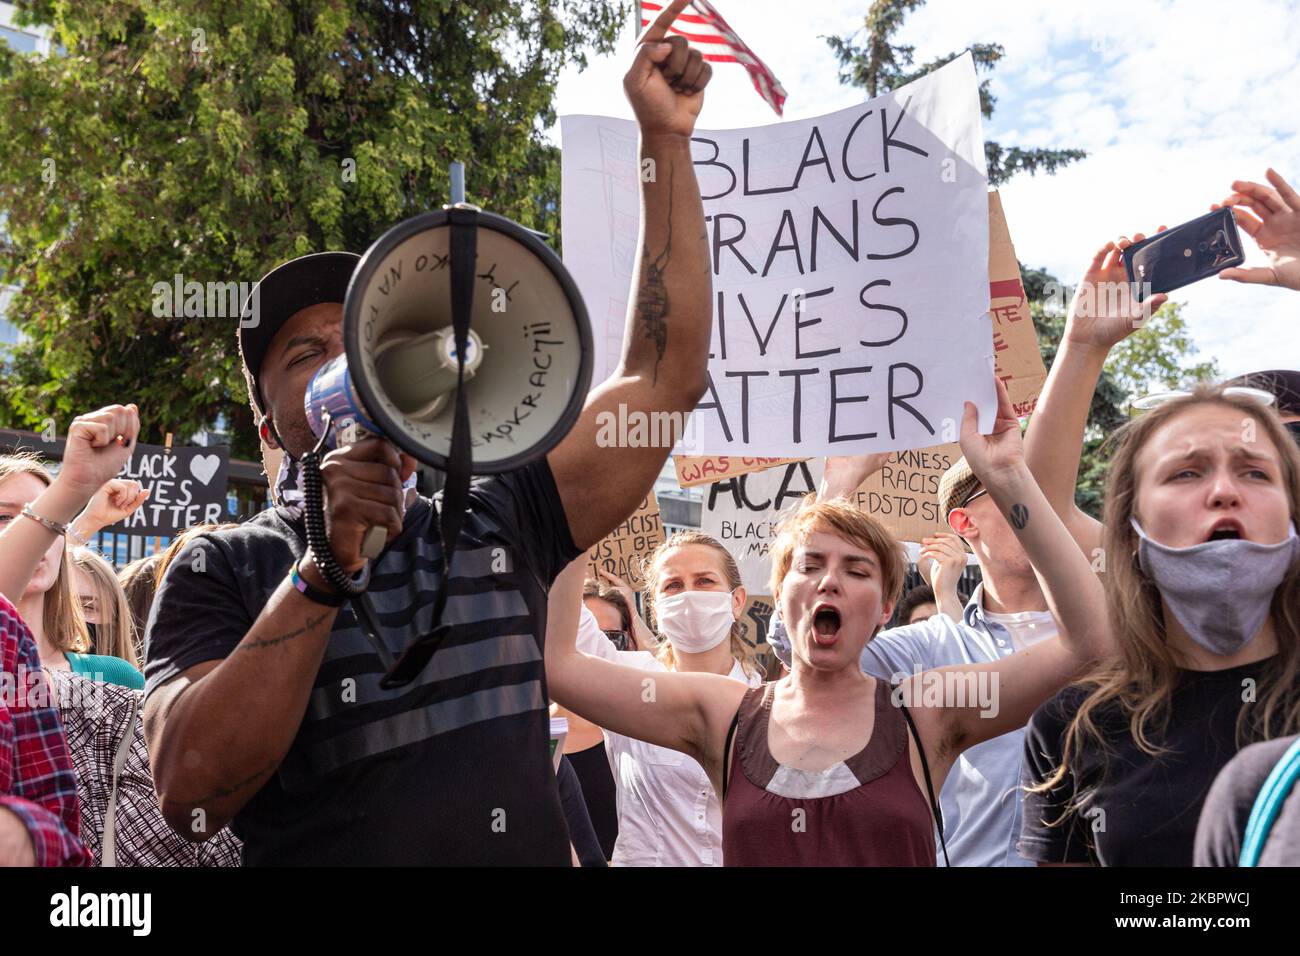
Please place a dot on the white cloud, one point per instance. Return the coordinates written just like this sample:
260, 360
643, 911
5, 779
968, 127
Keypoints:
1173, 101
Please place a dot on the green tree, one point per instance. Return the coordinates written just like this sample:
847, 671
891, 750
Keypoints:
212, 140
1159, 356
871, 61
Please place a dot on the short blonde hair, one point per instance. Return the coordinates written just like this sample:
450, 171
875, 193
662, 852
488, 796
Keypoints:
843, 520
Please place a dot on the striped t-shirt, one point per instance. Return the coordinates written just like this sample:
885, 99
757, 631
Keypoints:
453, 768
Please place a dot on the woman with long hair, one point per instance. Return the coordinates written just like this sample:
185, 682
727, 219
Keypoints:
104, 607
668, 813
1202, 587
830, 766
139, 580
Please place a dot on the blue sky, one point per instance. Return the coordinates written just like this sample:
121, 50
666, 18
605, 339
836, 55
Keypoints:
1171, 100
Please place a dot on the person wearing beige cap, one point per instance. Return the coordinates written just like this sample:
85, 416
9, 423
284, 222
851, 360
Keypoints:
1006, 613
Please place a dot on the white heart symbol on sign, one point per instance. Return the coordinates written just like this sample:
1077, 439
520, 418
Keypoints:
203, 467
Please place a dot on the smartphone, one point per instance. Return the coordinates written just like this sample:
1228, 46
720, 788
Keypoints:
1185, 254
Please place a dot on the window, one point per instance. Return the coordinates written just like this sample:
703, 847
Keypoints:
22, 42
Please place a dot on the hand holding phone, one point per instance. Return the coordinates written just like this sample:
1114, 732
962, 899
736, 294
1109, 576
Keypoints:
1185, 254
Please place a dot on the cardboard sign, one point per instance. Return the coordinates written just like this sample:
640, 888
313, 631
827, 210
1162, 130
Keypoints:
695, 470
187, 486
754, 620
623, 550
850, 268
743, 512
903, 495
1019, 363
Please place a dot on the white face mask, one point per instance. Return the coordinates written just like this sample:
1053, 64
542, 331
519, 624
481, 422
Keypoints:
695, 621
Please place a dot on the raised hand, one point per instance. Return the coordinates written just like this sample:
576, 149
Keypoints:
620, 586
999, 455
1104, 309
98, 445
1276, 230
844, 473
116, 500
947, 557
666, 81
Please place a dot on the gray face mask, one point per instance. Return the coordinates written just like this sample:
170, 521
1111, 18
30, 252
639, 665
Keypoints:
1220, 591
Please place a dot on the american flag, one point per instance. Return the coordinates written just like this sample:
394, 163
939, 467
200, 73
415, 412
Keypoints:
718, 43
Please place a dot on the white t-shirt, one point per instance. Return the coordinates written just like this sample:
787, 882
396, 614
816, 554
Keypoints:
668, 814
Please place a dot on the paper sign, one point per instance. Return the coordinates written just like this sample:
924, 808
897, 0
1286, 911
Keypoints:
187, 486
623, 550
850, 268
1019, 363
743, 513
695, 470
904, 495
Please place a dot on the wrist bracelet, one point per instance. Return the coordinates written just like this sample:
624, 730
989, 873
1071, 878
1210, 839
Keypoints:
313, 593
59, 529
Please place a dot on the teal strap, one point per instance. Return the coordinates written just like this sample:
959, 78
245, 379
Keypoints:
1269, 804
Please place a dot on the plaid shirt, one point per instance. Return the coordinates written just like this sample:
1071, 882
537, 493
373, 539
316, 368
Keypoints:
97, 717
37, 781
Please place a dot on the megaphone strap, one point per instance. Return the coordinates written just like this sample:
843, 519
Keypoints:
455, 494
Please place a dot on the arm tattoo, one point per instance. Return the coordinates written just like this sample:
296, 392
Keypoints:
1019, 517
261, 643
652, 296
236, 787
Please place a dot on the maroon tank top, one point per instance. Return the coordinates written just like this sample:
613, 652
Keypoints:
865, 811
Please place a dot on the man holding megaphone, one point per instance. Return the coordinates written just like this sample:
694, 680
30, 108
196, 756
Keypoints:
266, 704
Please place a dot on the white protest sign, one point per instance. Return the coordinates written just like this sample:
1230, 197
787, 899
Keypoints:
743, 513
850, 269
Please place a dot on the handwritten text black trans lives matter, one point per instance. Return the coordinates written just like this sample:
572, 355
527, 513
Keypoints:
870, 148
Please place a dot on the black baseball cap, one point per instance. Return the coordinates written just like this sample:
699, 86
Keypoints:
1282, 383
284, 291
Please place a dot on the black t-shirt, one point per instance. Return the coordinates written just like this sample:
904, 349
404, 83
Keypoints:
1227, 808
453, 768
1143, 810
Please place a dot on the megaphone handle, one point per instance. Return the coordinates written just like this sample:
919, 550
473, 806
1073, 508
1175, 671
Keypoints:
372, 545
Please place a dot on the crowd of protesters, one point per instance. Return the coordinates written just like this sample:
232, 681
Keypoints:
216, 704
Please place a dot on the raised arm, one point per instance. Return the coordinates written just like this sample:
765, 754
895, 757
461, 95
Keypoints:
1024, 680
666, 340
98, 445
1102, 313
677, 711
